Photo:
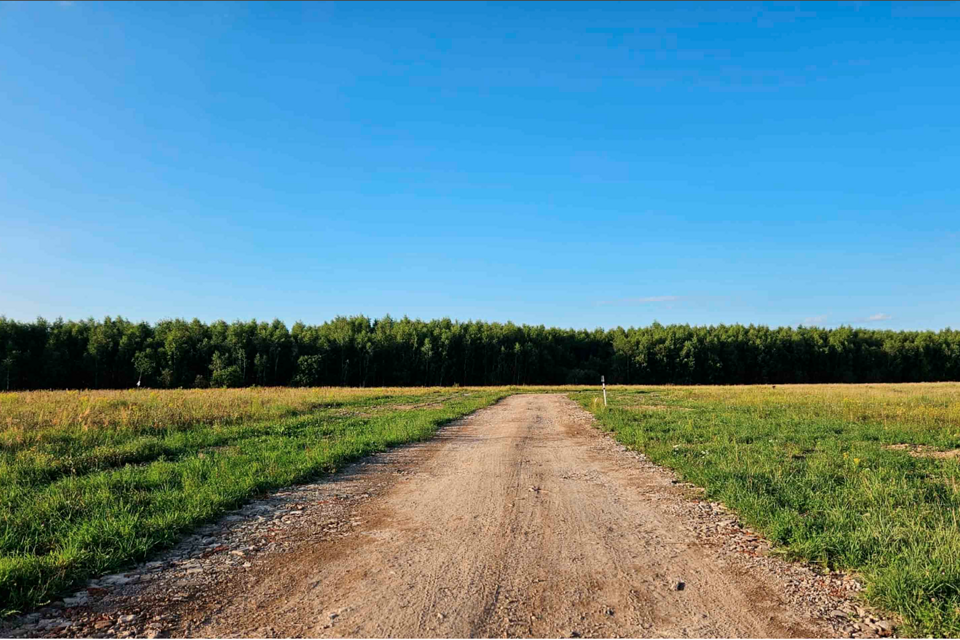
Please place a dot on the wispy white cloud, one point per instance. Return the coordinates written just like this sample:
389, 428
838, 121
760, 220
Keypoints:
878, 317
646, 300
815, 320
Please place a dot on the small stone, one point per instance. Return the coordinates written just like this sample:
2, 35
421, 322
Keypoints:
574, 634
101, 624
680, 586
237, 552
127, 619
334, 616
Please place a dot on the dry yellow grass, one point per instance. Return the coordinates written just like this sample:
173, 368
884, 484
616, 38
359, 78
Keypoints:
30, 416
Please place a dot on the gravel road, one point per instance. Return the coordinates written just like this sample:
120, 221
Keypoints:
519, 520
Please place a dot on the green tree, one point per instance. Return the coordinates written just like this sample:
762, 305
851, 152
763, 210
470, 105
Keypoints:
223, 374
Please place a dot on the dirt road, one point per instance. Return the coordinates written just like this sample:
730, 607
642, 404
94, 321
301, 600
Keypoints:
521, 520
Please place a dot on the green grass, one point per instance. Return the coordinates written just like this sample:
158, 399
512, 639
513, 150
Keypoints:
91, 482
78, 500
812, 468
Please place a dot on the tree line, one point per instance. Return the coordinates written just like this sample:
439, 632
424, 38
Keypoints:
360, 351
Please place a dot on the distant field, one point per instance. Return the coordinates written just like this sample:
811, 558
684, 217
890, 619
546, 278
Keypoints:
862, 477
92, 480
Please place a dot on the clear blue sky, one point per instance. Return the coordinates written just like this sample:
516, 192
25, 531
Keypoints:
575, 165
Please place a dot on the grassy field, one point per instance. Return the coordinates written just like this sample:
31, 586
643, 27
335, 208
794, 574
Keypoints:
91, 481
861, 477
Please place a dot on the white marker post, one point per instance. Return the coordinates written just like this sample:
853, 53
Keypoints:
604, 383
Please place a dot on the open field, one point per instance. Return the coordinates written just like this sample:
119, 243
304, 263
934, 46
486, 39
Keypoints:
90, 481
861, 477
521, 519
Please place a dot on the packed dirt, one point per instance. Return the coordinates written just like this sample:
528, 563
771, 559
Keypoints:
921, 451
520, 520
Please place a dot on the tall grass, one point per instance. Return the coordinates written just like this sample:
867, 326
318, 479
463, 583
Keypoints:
31, 416
91, 481
814, 469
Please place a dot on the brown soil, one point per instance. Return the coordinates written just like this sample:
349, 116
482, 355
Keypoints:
519, 520
923, 451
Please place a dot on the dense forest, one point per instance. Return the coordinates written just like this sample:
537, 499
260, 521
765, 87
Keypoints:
359, 351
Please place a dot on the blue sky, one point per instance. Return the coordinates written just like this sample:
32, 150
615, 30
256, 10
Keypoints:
575, 165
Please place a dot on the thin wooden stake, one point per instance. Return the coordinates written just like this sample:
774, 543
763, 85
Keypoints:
604, 383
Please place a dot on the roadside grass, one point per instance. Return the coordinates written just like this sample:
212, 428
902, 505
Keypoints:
813, 469
93, 481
